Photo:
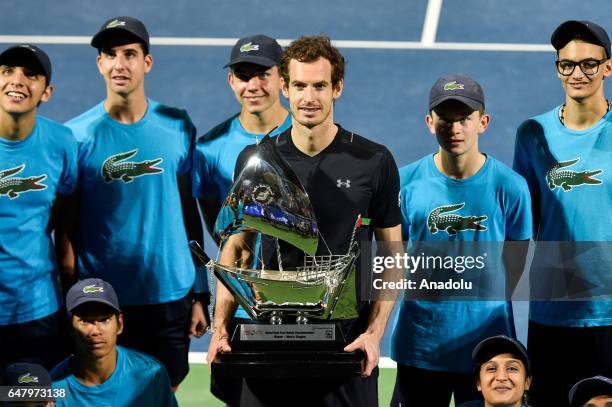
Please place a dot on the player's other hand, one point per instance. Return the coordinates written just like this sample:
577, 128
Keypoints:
199, 322
219, 343
369, 344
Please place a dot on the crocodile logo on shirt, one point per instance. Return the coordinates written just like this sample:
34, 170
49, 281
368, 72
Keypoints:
248, 47
441, 219
89, 289
568, 179
27, 378
13, 186
452, 86
115, 167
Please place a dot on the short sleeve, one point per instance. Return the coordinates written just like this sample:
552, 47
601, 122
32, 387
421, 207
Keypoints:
385, 207
519, 223
69, 177
203, 168
189, 136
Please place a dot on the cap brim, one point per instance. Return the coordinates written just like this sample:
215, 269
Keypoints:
493, 346
22, 56
10, 374
471, 103
120, 34
257, 60
82, 301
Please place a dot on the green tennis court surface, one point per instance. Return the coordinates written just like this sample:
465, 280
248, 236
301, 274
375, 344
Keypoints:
195, 390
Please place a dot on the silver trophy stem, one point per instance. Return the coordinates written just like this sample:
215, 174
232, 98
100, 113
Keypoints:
278, 256
301, 319
275, 319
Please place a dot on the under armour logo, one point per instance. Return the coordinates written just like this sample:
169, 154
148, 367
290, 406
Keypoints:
340, 183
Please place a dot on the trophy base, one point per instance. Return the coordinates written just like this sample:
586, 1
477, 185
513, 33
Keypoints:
287, 364
288, 351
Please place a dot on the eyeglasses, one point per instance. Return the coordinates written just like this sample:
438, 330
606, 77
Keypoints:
588, 66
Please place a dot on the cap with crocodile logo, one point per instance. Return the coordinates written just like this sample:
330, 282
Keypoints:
91, 290
457, 87
256, 49
129, 29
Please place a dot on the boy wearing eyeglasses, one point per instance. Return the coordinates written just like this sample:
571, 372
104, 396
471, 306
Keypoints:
565, 155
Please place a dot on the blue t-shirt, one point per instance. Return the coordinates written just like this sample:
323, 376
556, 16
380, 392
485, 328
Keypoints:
440, 335
138, 380
215, 158
32, 172
131, 228
569, 173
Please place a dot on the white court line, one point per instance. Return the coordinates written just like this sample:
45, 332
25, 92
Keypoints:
199, 358
227, 42
430, 26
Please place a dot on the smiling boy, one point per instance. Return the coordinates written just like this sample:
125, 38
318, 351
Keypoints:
502, 372
38, 171
565, 156
254, 78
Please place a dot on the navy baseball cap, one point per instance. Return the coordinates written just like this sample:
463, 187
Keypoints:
91, 290
586, 389
496, 345
457, 87
586, 30
257, 49
27, 55
129, 27
25, 375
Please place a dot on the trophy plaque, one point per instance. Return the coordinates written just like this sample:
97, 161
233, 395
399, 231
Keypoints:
292, 333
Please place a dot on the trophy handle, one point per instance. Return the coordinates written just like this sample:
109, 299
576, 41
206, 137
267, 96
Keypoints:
339, 290
197, 250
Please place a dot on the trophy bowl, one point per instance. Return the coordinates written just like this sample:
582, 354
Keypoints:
311, 290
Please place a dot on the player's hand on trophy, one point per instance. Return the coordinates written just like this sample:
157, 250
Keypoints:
369, 344
219, 343
199, 322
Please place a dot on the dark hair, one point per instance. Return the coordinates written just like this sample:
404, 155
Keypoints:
310, 49
480, 110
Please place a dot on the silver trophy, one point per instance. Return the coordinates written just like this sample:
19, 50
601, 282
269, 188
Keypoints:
291, 307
